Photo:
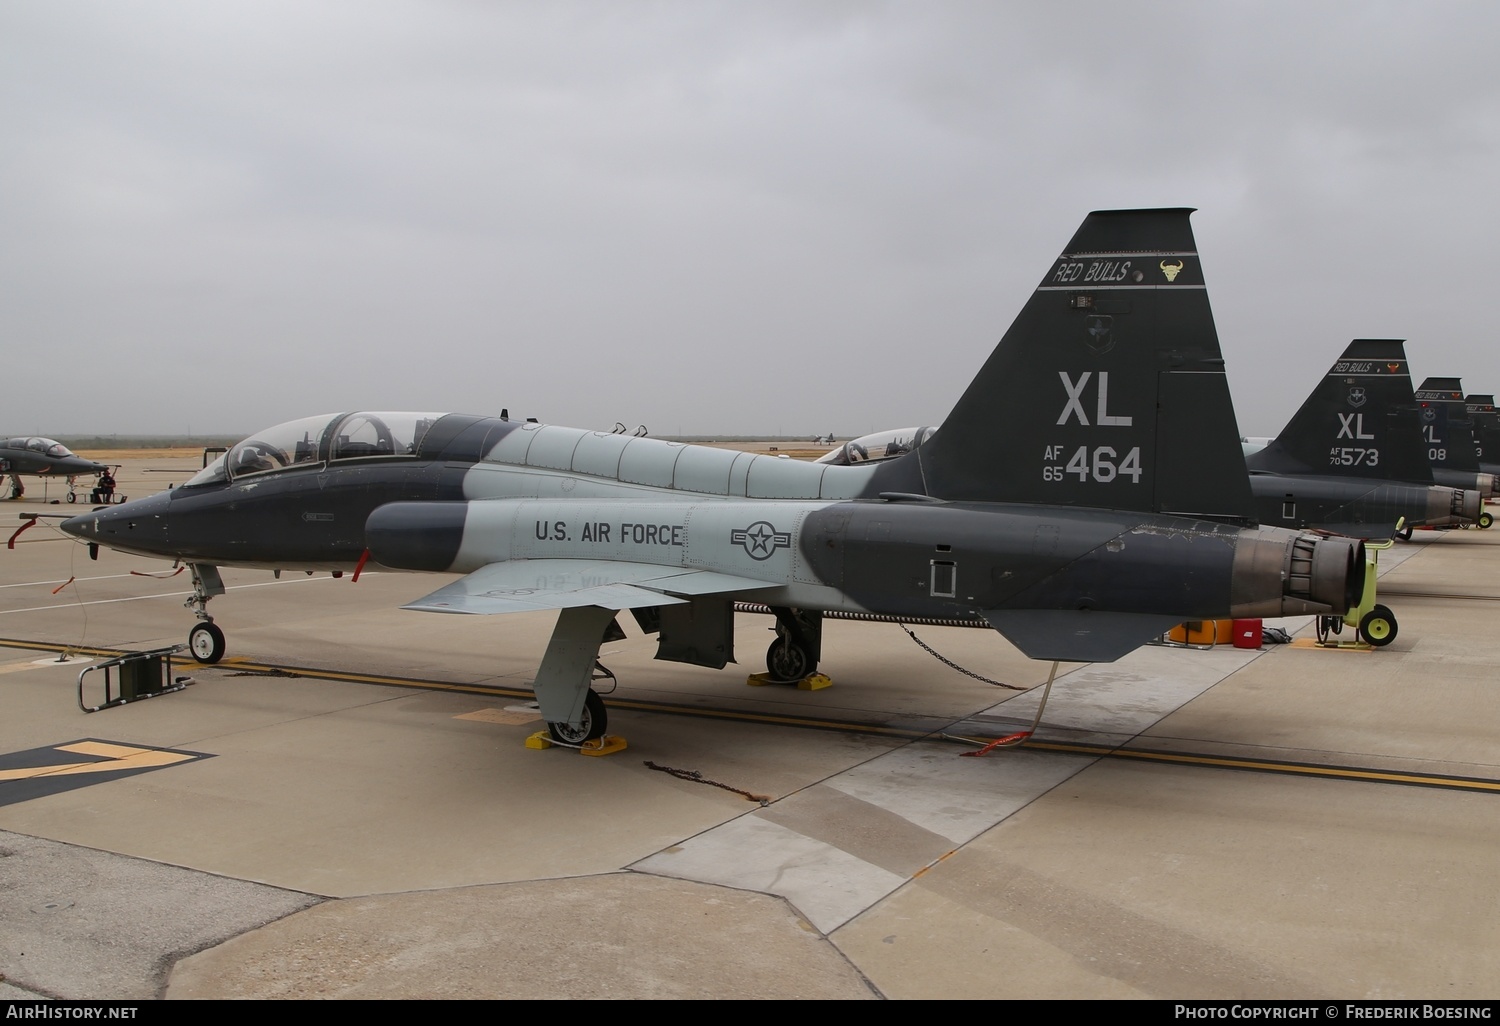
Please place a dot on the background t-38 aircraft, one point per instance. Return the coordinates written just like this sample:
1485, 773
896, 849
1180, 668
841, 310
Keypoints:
1086, 494
1353, 459
1450, 433
1481, 409
33, 455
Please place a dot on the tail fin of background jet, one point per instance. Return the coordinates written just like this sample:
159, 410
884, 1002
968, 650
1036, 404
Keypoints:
1447, 428
1107, 391
1481, 410
1360, 421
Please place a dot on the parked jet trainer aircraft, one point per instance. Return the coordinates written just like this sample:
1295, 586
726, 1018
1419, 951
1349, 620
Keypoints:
1086, 494
1353, 459
34, 455
1481, 409
1449, 433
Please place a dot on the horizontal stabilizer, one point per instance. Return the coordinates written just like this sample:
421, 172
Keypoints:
532, 584
1078, 635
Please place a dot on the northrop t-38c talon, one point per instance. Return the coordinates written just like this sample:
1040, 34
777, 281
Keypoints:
1449, 432
1481, 409
33, 455
1353, 459
1086, 494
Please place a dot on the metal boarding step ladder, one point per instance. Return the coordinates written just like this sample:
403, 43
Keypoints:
141, 675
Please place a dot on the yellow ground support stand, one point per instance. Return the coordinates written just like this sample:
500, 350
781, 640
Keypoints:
812, 682
1374, 625
609, 744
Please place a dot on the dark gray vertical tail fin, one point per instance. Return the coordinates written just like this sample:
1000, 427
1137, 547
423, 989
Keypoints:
1109, 388
1486, 427
1360, 421
1447, 427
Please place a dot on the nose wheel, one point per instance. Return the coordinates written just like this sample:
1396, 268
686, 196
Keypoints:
206, 642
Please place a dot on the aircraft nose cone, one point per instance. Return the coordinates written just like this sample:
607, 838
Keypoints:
72, 465
139, 526
83, 526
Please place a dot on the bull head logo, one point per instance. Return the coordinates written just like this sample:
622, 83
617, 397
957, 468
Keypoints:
1170, 270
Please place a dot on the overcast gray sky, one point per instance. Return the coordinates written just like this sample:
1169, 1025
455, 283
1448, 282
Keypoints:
707, 217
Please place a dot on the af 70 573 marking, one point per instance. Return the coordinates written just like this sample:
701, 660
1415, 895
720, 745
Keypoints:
1348, 456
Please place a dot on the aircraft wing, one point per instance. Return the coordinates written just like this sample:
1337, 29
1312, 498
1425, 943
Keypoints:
531, 584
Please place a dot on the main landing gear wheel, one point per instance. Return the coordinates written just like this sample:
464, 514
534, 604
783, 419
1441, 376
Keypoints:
1378, 627
787, 661
595, 719
1486, 518
206, 642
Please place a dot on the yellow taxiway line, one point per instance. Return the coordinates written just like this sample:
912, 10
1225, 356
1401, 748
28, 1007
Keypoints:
1301, 769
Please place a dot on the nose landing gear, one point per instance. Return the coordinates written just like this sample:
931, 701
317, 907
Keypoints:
205, 640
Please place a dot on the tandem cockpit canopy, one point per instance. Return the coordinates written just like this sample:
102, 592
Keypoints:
316, 440
37, 444
882, 445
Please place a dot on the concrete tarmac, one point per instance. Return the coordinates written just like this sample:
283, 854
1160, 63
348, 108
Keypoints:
345, 806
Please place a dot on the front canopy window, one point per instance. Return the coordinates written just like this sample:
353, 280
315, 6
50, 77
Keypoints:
285, 445
313, 440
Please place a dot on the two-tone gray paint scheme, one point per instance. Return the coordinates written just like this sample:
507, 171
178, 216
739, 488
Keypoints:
1352, 460
1449, 433
35, 456
1086, 493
